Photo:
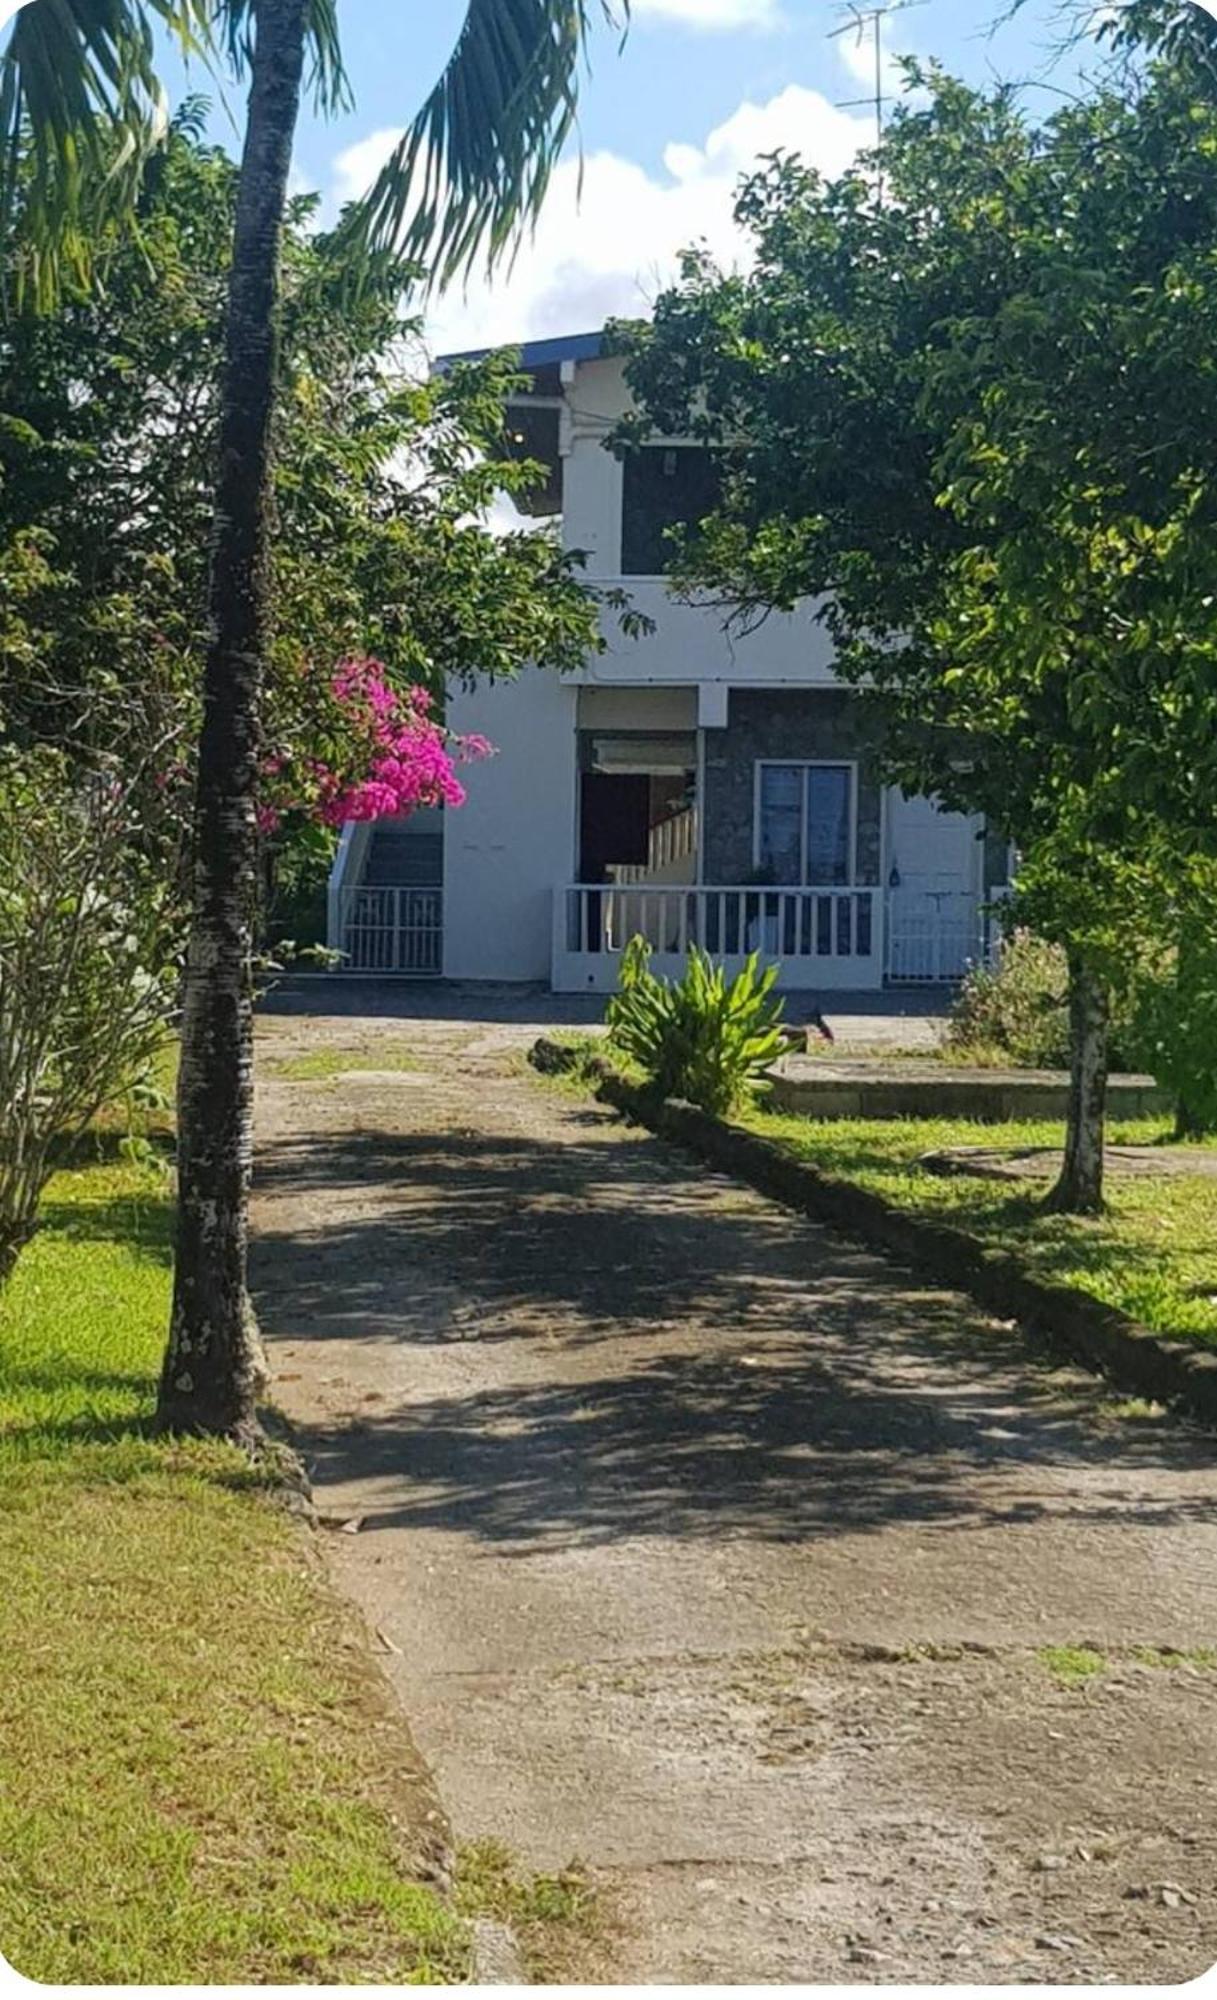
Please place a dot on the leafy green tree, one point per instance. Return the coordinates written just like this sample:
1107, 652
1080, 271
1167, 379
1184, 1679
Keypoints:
976, 419
109, 410
79, 82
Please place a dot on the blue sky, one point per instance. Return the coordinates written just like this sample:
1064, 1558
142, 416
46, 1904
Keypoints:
685, 66
668, 123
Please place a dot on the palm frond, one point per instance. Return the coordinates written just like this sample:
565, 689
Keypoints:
470, 173
81, 108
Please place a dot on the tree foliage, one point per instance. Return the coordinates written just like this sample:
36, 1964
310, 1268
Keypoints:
108, 415
975, 418
385, 474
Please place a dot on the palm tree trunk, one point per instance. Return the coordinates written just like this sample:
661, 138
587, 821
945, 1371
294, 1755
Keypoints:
1079, 1191
210, 1378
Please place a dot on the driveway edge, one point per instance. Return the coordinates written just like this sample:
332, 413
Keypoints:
1131, 1356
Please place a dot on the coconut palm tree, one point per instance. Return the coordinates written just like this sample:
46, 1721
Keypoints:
80, 111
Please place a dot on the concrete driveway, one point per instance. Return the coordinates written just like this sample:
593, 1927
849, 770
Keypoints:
724, 1555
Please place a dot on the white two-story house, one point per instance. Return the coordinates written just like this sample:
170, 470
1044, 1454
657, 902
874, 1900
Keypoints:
691, 785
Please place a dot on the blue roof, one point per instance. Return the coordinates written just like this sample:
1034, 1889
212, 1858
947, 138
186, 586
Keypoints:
539, 353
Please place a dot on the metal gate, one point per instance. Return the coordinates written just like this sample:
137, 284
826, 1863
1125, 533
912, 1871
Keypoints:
393, 930
933, 936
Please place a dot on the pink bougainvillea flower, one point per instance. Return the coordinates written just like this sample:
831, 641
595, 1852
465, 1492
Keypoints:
401, 760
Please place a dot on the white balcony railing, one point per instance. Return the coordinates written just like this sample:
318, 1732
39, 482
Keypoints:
391, 930
822, 936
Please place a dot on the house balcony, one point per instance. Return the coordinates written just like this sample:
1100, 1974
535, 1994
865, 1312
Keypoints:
688, 644
823, 939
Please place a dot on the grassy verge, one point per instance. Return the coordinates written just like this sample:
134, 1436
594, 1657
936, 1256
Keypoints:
200, 1778
559, 1921
320, 1065
1154, 1253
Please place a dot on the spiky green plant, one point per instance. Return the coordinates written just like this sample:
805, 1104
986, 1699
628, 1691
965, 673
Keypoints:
704, 1038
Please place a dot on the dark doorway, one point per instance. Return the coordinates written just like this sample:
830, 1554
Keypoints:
614, 822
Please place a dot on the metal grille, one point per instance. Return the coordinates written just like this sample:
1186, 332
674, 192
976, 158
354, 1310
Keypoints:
393, 930
933, 938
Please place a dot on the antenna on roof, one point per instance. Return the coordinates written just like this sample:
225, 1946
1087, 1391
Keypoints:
863, 21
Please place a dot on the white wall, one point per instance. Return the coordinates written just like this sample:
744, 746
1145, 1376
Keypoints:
591, 476
514, 838
690, 642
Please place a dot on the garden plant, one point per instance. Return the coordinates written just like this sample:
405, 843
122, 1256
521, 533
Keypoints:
703, 1037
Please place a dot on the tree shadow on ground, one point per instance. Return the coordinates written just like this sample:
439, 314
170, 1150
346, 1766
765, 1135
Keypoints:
435, 1239
696, 1447
760, 1374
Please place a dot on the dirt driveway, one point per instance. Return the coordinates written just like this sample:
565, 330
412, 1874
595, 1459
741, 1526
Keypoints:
726, 1556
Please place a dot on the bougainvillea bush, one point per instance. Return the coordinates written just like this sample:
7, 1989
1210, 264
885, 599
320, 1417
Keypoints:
385, 755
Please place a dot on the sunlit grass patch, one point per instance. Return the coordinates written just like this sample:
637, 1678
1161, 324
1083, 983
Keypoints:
83, 1318
1072, 1666
1203, 1658
319, 1065
197, 1780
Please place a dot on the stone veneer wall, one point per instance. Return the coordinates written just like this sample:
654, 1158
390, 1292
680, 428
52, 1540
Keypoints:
808, 724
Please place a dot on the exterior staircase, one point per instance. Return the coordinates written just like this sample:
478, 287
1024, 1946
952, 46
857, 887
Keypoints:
672, 847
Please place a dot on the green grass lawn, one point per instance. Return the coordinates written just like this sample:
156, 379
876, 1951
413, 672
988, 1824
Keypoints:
1154, 1253
200, 1778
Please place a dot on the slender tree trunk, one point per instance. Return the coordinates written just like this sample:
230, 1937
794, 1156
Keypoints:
1079, 1191
210, 1379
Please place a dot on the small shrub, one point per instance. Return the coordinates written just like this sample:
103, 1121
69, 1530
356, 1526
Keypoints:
1019, 1007
703, 1038
86, 978
1018, 1010
1174, 1028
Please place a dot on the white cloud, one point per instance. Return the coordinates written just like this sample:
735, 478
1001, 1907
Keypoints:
609, 248
711, 14
358, 166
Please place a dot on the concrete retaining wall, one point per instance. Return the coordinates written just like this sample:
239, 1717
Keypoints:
818, 1088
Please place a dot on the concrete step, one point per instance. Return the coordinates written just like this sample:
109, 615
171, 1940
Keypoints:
819, 1087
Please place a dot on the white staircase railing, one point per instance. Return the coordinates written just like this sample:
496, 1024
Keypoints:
672, 841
